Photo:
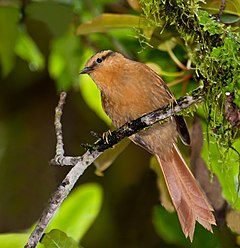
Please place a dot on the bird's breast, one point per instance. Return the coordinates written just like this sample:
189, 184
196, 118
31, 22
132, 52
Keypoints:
127, 101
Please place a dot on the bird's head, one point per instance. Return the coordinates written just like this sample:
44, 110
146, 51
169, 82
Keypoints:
104, 67
102, 62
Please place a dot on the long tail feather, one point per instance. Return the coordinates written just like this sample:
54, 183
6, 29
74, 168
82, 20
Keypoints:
188, 199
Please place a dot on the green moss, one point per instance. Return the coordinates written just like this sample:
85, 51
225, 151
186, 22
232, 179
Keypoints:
214, 49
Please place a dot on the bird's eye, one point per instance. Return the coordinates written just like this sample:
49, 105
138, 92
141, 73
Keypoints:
99, 60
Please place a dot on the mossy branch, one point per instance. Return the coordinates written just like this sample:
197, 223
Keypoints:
214, 50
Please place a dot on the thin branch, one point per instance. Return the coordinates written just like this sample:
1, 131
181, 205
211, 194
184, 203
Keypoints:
222, 8
81, 163
58, 124
179, 80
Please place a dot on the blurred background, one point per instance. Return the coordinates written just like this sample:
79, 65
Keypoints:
43, 46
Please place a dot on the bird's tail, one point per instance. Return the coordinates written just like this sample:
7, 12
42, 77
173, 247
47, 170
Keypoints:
188, 199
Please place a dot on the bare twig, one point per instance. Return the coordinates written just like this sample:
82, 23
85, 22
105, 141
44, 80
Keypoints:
81, 163
222, 8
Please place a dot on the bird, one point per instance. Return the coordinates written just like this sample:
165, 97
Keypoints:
130, 89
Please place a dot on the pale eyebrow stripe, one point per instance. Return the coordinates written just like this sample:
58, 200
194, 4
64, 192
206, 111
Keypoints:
107, 55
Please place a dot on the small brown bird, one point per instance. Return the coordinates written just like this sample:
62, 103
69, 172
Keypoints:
130, 89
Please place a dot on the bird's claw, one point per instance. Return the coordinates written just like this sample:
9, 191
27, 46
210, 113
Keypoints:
105, 136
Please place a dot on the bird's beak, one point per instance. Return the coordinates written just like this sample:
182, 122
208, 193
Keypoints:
86, 70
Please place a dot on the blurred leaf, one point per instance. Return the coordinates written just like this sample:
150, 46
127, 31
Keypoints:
58, 239
78, 211
8, 30
92, 97
160, 71
168, 45
168, 227
16, 240
90, 92
56, 16
106, 22
227, 170
27, 49
229, 19
233, 220
56, 64
232, 6
163, 39
64, 60
107, 158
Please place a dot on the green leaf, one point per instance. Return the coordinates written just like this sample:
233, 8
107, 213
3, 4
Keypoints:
213, 6
58, 239
92, 97
64, 60
78, 211
224, 165
105, 22
16, 240
8, 30
229, 19
227, 170
27, 49
54, 15
168, 227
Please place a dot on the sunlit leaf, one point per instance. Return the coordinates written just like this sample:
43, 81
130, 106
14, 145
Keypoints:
8, 32
78, 211
28, 50
169, 44
225, 166
227, 171
64, 60
163, 39
57, 64
90, 92
16, 240
160, 71
92, 97
58, 239
106, 22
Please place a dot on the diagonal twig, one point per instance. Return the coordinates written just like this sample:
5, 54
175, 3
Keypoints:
80, 164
